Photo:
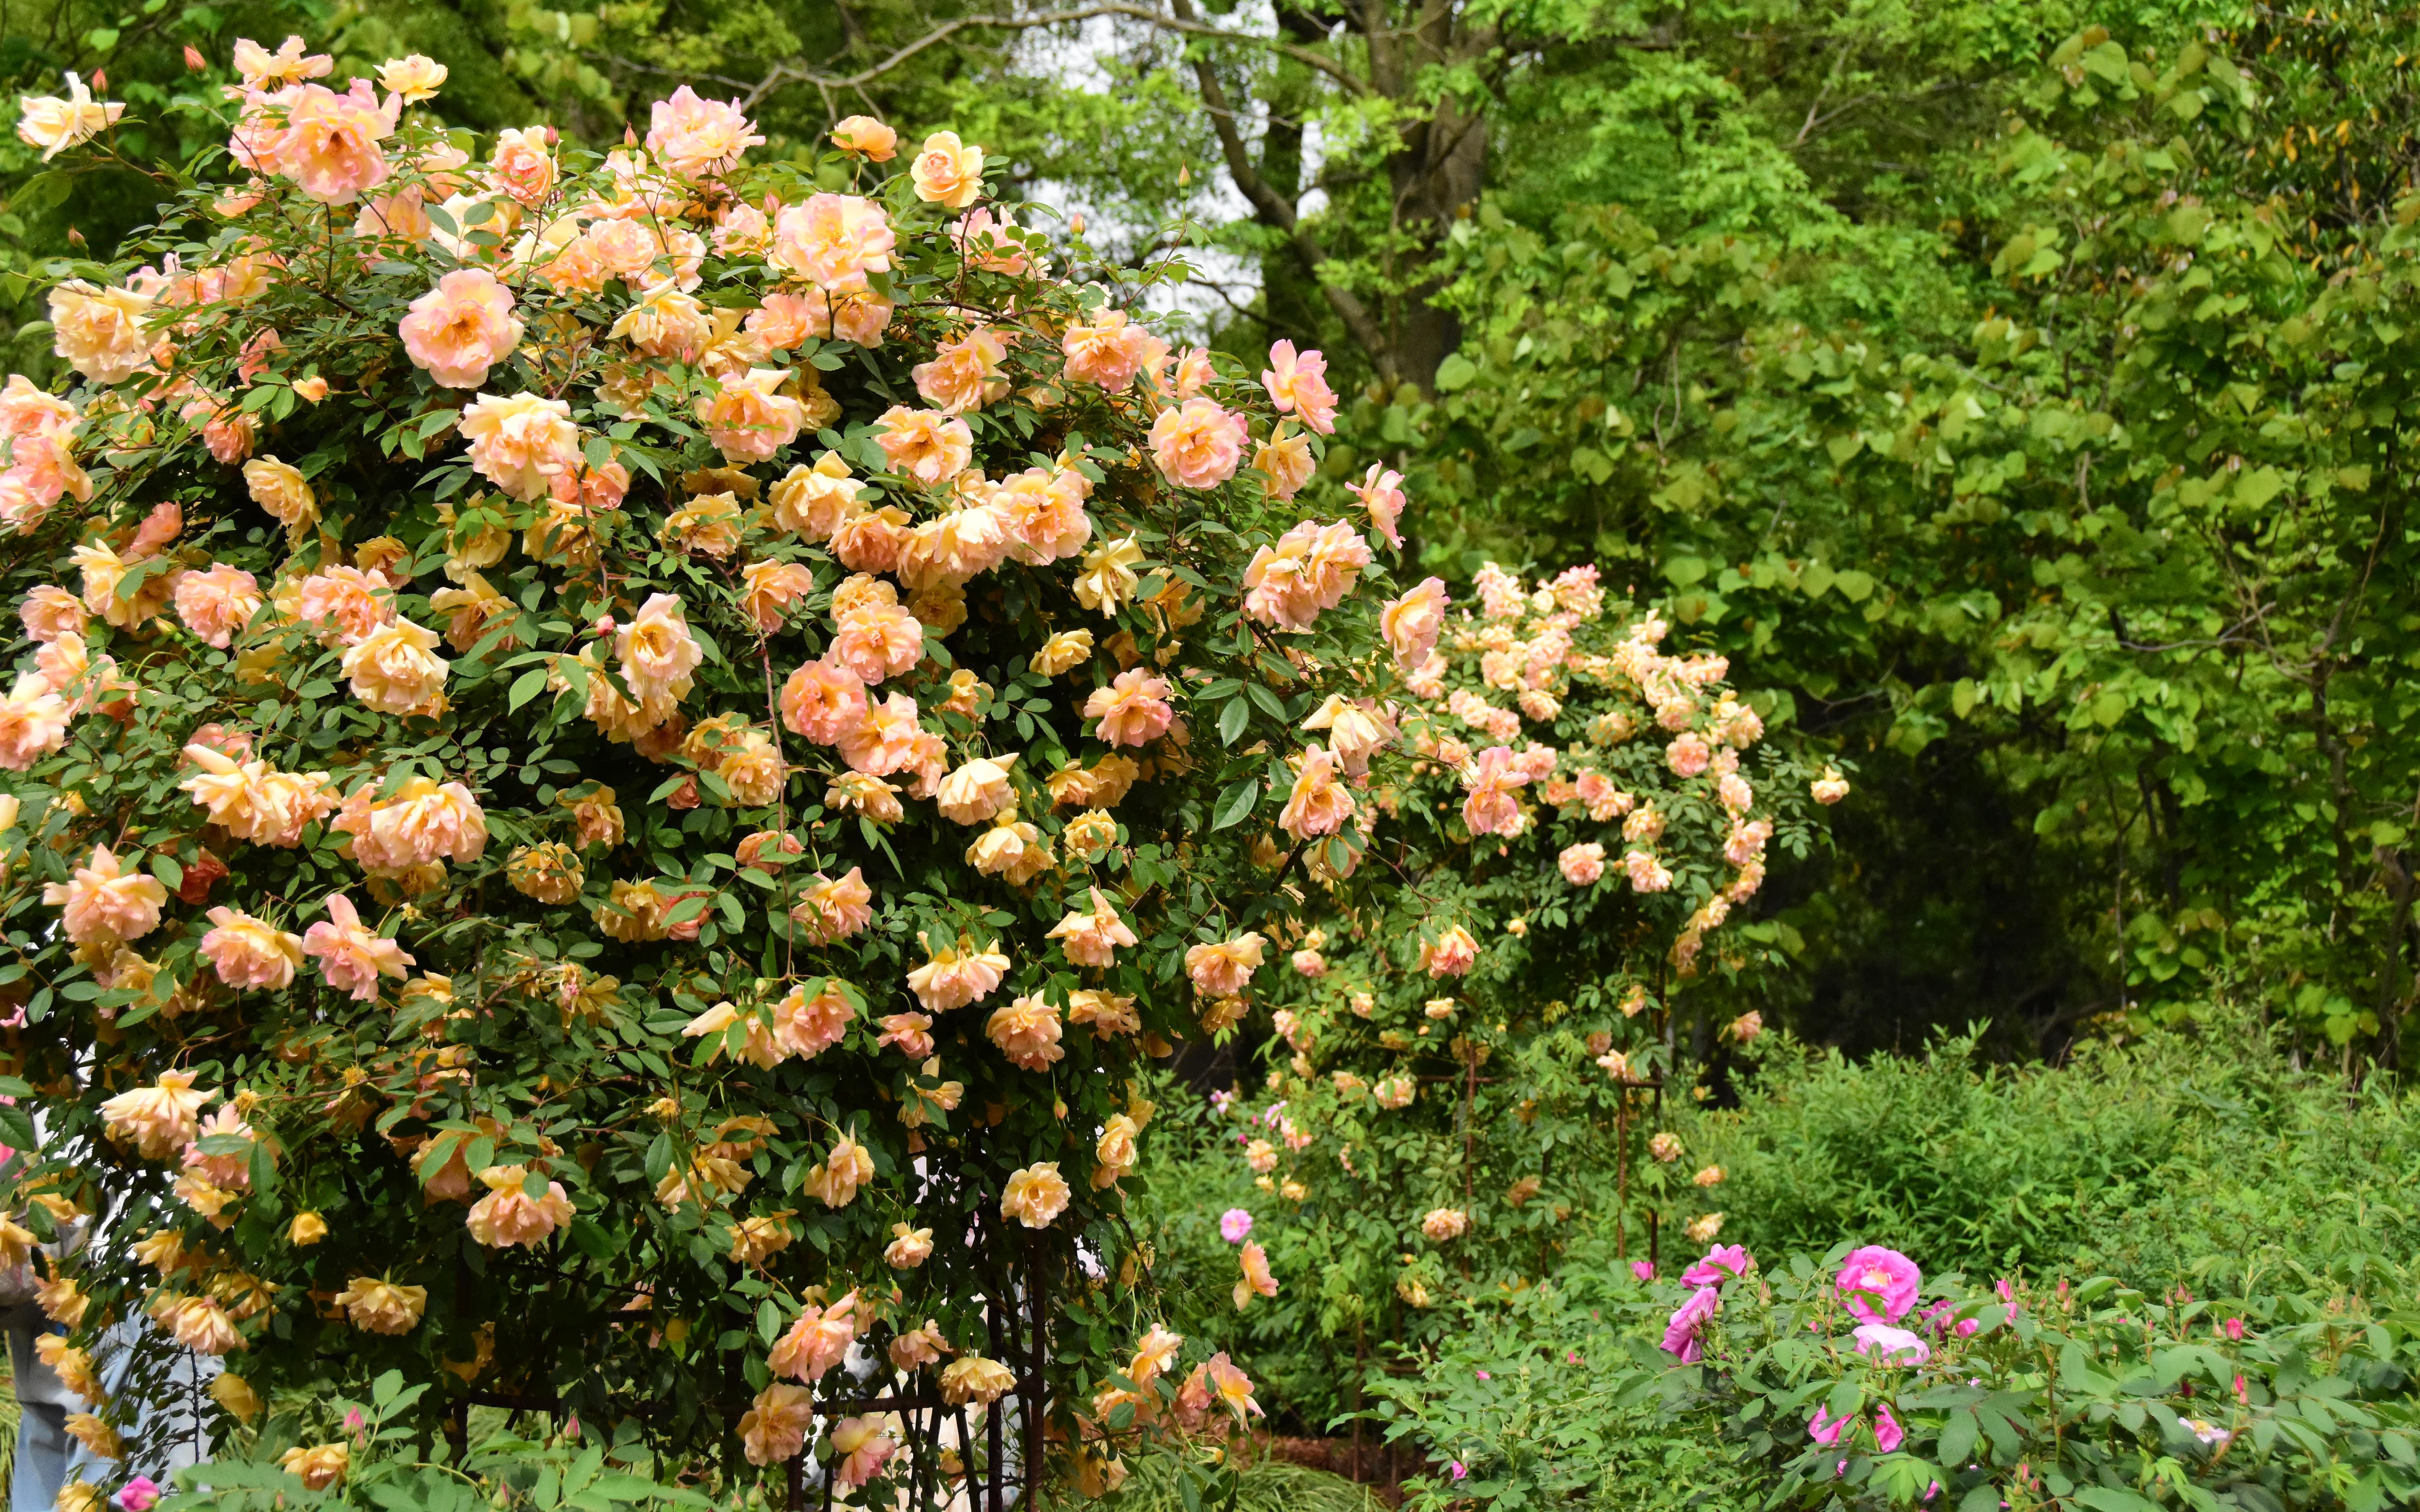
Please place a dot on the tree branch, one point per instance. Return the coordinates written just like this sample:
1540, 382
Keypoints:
1279, 212
1184, 22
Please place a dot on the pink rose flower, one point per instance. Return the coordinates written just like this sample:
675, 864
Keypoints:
1198, 444
1720, 1264
1133, 710
1298, 386
1878, 1285
698, 138
1681, 1328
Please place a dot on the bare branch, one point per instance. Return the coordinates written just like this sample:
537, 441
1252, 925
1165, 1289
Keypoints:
1182, 22
1279, 212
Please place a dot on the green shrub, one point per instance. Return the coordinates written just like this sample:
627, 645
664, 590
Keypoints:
2153, 1160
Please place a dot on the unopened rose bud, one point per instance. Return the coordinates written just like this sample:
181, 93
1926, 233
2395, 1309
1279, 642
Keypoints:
194, 62
100, 80
76, 237
1076, 222
311, 390
604, 625
554, 138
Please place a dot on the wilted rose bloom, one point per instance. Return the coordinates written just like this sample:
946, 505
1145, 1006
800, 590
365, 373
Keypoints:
1381, 492
379, 1306
1443, 1224
1034, 1195
280, 489
1257, 1279
866, 137
216, 603
860, 1450
909, 1247
834, 908
774, 1427
1665, 1146
975, 1379
1708, 1176
508, 1215
1222, 968
54, 124
834, 1180
1647, 873
461, 328
954, 975
318, 1466
947, 171
1703, 1227
1450, 955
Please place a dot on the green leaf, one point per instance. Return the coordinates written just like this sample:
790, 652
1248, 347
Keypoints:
1234, 803
526, 687
1455, 372
1232, 720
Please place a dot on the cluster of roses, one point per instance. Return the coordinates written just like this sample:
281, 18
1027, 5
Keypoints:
1878, 1286
593, 281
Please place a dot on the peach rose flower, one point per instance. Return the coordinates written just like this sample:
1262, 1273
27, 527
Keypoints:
812, 500
33, 722
1034, 1195
1298, 386
1092, 937
160, 1119
926, 444
964, 374
834, 908
393, 668
1381, 492
774, 1427
1450, 955
832, 242
523, 166
886, 740
1318, 804
49, 612
520, 444
249, 953
461, 328
1412, 623
822, 702
377, 1306
953, 977
978, 792
99, 333
330, 147
834, 1180
1027, 1032
770, 588
351, 958
656, 652
414, 78
1223, 969
1257, 1281
820, 1338
54, 124
699, 138
1133, 710
103, 903
216, 603
1198, 444
947, 171
866, 137
1582, 864
749, 419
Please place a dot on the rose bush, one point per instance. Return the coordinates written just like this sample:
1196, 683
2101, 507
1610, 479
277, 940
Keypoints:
1853, 1380
620, 761
1469, 1062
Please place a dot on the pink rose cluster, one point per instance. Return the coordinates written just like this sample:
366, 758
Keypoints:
1684, 1329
